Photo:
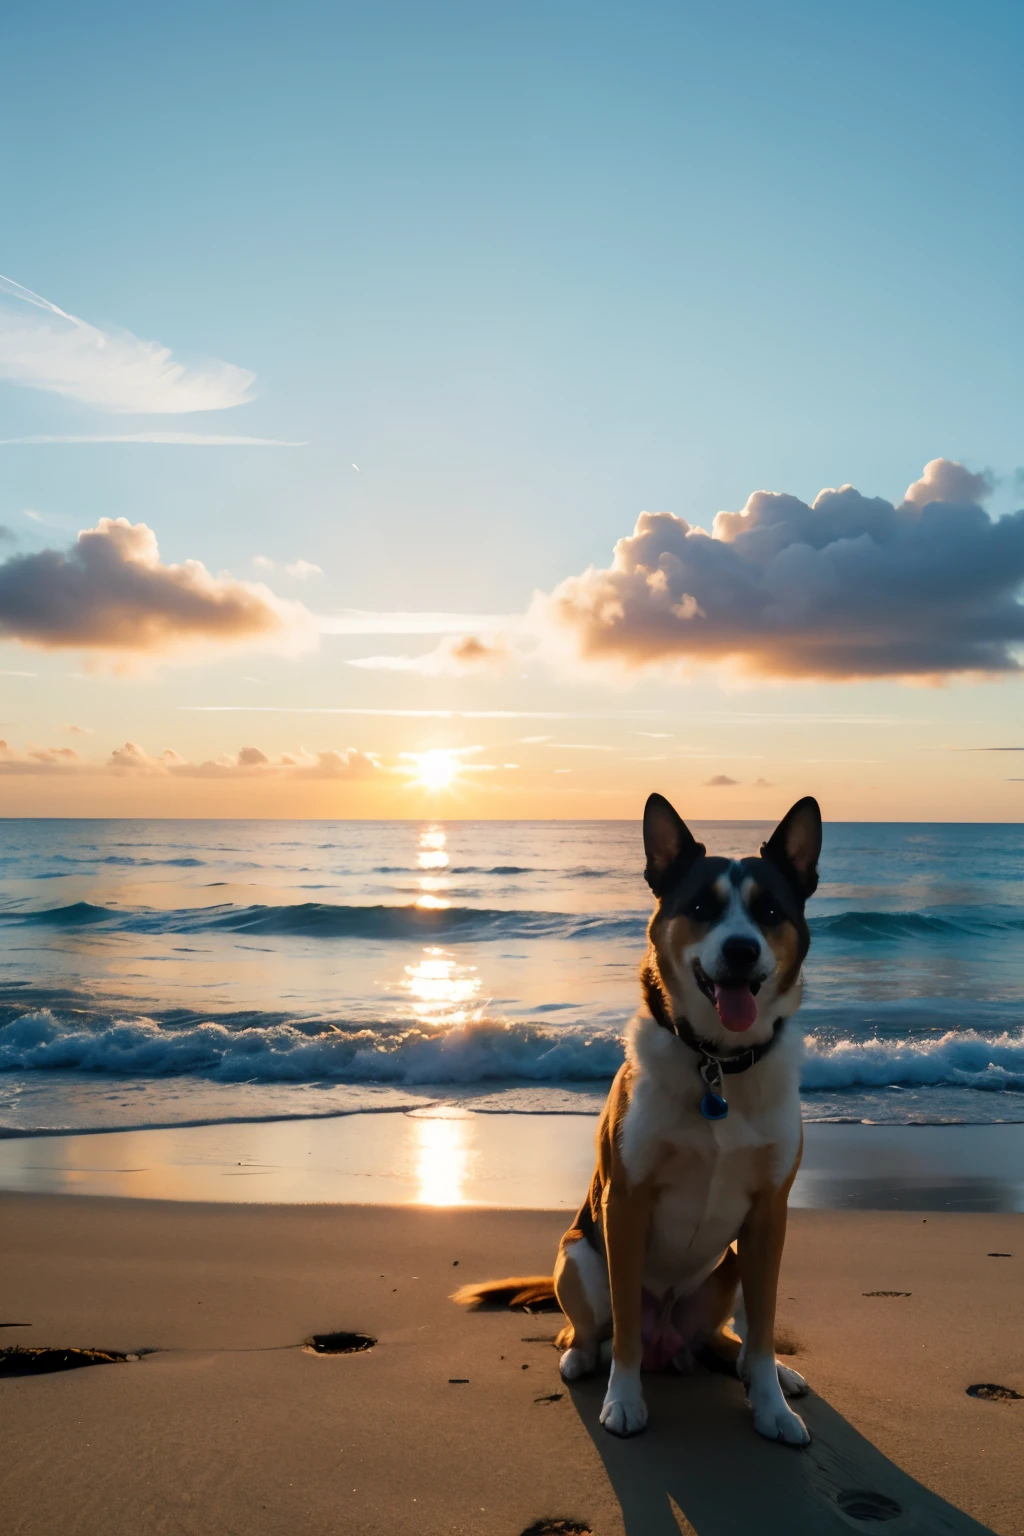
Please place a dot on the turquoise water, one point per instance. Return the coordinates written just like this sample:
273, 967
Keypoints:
163, 972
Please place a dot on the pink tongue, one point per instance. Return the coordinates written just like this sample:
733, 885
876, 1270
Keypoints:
737, 1007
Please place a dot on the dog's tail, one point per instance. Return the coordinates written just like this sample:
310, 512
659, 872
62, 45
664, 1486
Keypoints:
523, 1293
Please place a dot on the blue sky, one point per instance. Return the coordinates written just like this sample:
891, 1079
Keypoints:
533, 269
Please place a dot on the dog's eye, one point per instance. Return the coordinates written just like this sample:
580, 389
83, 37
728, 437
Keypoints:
703, 908
766, 912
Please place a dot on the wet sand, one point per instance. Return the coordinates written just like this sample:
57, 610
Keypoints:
452, 1155
231, 1426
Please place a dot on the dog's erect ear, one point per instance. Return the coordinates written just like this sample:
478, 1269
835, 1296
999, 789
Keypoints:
795, 844
668, 843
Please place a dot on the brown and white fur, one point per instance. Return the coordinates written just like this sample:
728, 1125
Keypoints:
682, 1208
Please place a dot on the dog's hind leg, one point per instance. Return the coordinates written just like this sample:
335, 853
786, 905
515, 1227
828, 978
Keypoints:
718, 1295
791, 1382
581, 1285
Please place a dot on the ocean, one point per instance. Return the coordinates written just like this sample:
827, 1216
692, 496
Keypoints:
161, 973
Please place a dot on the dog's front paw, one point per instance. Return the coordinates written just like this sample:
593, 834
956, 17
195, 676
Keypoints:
791, 1382
777, 1421
624, 1416
576, 1363
624, 1411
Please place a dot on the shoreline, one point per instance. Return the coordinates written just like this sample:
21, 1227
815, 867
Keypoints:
447, 1154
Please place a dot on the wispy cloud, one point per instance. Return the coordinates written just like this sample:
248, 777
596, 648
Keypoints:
43, 347
360, 621
300, 569
455, 656
412, 714
720, 781
174, 439
44, 519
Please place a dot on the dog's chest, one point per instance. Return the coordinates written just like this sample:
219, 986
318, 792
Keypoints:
706, 1175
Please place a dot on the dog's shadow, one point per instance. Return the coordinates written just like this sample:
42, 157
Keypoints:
701, 1468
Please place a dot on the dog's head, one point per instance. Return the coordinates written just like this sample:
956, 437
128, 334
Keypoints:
729, 935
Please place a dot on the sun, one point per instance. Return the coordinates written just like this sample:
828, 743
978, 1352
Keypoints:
436, 769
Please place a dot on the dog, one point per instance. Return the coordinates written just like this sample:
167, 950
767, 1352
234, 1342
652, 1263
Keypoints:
700, 1138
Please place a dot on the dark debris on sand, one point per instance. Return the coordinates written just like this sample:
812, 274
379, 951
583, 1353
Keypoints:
20, 1360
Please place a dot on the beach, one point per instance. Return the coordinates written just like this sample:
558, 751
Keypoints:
268, 1081
458, 1423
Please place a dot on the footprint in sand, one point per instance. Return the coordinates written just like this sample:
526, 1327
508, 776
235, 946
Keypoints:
557, 1528
864, 1504
338, 1343
994, 1394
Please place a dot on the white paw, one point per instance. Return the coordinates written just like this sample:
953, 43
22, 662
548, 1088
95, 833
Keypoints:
624, 1416
791, 1382
624, 1411
576, 1363
776, 1421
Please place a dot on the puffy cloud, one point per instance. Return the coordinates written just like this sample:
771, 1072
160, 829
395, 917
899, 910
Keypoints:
248, 763
42, 347
111, 592
849, 587
720, 781
454, 656
946, 480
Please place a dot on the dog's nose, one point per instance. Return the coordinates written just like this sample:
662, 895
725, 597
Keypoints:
741, 954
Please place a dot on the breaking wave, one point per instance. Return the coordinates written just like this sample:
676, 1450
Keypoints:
402, 1052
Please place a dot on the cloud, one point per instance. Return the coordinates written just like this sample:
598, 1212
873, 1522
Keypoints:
454, 656
946, 480
360, 621
762, 784
43, 347
79, 730
301, 569
720, 781
174, 439
849, 587
413, 714
111, 592
40, 760
248, 763
45, 519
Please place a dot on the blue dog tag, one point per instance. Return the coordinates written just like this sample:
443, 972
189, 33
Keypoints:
713, 1107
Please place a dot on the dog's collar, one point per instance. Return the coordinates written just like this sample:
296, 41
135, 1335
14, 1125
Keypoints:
712, 1065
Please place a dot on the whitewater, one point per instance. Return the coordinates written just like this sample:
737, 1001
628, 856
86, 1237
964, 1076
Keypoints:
167, 972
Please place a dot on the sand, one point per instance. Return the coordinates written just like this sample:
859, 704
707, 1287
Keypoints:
232, 1427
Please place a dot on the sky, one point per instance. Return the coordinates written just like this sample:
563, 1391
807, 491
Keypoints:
424, 410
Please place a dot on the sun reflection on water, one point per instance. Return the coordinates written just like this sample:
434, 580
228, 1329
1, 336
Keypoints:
432, 854
441, 990
442, 1160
